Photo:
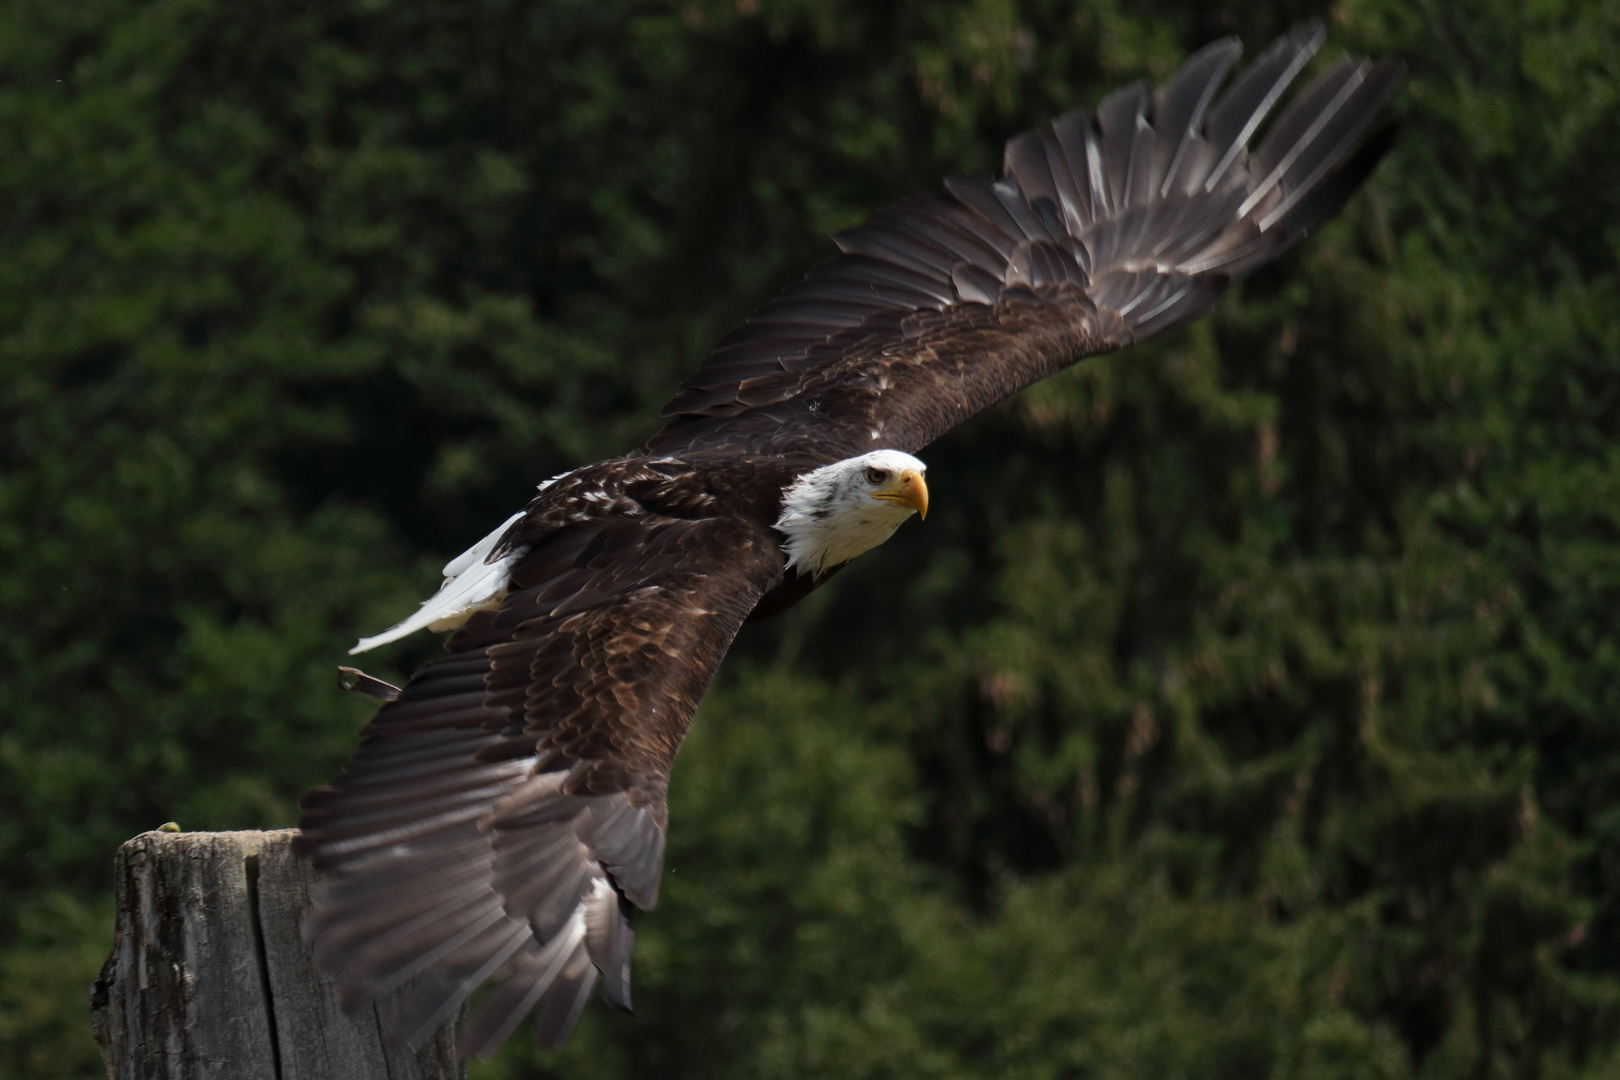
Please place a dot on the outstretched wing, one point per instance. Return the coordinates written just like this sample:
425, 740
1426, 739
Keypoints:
1106, 229
501, 814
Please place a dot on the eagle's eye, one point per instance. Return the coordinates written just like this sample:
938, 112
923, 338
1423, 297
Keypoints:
876, 476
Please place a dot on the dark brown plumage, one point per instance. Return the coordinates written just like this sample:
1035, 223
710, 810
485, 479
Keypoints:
501, 816
1105, 230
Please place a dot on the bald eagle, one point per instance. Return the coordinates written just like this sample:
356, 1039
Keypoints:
507, 809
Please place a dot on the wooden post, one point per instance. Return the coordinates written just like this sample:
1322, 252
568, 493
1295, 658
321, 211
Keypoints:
209, 977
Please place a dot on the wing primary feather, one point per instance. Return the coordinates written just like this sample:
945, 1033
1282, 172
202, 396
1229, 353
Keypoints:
1025, 159
388, 766
1196, 234
638, 874
418, 789
1174, 294
416, 1024
1120, 117
513, 999
420, 962
1255, 93
1138, 296
780, 329
1012, 199
357, 944
958, 231
881, 241
1096, 174
420, 705
808, 308
977, 192
1185, 303
365, 811
396, 837
863, 268
1305, 119
1325, 199
869, 295
1180, 105
1074, 132
1141, 185
610, 942
974, 285
345, 894
1332, 138
1067, 192
500, 1015
558, 1012
1051, 216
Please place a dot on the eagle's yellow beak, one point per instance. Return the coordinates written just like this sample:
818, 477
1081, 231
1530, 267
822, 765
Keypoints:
906, 489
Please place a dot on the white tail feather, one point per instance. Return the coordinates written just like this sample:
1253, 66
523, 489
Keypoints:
469, 585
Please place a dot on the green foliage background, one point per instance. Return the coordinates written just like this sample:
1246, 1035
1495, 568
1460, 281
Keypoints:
1247, 709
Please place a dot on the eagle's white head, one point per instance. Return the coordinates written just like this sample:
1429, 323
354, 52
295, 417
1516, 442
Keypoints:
834, 513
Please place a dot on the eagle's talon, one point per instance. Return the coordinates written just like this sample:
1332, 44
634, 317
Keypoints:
354, 679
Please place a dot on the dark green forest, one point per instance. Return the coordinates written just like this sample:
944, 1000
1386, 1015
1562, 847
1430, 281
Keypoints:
1249, 706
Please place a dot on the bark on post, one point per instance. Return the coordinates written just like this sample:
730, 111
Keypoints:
209, 977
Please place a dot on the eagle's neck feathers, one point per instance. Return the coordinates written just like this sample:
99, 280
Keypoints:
829, 515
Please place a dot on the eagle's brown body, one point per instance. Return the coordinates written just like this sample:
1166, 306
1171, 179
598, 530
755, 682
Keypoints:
501, 815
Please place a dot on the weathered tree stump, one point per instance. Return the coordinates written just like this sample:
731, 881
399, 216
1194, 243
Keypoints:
209, 977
